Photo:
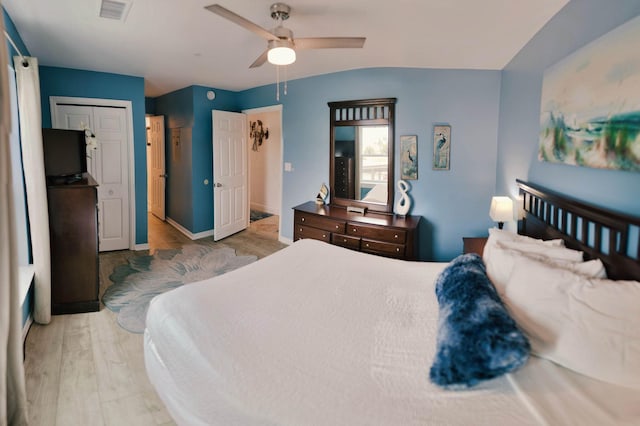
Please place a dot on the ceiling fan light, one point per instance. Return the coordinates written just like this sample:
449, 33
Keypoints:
282, 55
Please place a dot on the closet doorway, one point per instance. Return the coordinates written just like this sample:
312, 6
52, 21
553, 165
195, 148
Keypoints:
111, 164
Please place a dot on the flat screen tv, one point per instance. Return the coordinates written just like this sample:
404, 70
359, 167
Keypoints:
65, 153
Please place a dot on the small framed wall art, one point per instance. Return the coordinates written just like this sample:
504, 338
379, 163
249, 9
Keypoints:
409, 157
441, 147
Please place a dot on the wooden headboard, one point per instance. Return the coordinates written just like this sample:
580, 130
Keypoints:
610, 236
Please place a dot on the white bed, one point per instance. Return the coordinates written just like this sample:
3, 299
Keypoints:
319, 335
297, 339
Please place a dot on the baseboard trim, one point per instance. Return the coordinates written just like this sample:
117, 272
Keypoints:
139, 247
188, 233
284, 240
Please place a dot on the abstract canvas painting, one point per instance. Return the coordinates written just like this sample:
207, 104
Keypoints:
590, 109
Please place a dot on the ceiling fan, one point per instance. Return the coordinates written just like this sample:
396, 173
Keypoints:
281, 46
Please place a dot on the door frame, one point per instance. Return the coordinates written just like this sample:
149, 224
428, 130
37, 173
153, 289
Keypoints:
250, 111
164, 169
128, 106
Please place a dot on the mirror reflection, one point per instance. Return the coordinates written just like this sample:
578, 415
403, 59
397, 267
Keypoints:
361, 159
361, 155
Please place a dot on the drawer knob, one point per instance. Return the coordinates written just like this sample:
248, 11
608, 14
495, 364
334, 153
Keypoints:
344, 240
367, 244
324, 235
300, 229
355, 230
398, 249
395, 236
302, 220
337, 226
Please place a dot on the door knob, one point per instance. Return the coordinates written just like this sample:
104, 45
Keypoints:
164, 176
218, 185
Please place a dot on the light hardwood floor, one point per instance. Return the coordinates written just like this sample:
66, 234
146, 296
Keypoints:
84, 369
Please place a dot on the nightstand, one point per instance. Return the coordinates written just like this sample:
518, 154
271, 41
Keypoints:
474, 244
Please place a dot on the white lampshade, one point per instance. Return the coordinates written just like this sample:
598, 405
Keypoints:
501, 210
282, 55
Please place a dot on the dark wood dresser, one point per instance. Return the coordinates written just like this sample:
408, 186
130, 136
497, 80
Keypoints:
73, 229
375, 233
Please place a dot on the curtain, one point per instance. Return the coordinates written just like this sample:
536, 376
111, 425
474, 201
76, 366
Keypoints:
13, 401
28, 82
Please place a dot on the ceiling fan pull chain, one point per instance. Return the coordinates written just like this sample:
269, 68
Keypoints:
285, 80
277, 82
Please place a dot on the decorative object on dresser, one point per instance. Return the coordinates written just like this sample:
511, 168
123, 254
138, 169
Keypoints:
404, 202
73, 227
375, 233
501, 210
322, 196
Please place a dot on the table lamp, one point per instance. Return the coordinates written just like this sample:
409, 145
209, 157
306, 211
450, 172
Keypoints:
501, 210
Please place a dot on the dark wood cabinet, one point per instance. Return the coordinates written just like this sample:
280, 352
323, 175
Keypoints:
474, 245
344, 179
375, 233
73, 228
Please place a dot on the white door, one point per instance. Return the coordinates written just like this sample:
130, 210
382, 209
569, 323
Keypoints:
230, 211
158, 171
108, 164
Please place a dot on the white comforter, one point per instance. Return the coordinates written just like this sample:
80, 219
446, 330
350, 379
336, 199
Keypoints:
316, 335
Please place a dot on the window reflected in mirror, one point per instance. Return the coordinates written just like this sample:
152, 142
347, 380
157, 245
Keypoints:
362, 163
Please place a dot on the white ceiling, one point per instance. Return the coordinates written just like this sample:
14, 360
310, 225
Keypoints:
177, 43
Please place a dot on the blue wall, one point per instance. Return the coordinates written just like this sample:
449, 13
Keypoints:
577, 24
453, 203
177, 108
202, 145
187, 111
89, 84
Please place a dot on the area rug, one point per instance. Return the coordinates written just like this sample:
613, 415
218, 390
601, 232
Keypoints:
144, 277
257, 215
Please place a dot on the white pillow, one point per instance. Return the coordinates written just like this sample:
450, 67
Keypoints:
497, 234
503, 261
499, 265
588, 325
560, 253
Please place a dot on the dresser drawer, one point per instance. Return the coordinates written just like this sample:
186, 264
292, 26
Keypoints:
346, 241
302, 231
319, 222
375, 233
379, 247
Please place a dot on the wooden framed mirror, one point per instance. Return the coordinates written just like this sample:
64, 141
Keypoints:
361, 159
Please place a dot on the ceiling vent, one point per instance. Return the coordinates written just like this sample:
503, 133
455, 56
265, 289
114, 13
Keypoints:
112, 9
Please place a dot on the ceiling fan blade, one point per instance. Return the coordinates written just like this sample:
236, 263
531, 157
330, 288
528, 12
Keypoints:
329, 42
237, 19
261, 60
